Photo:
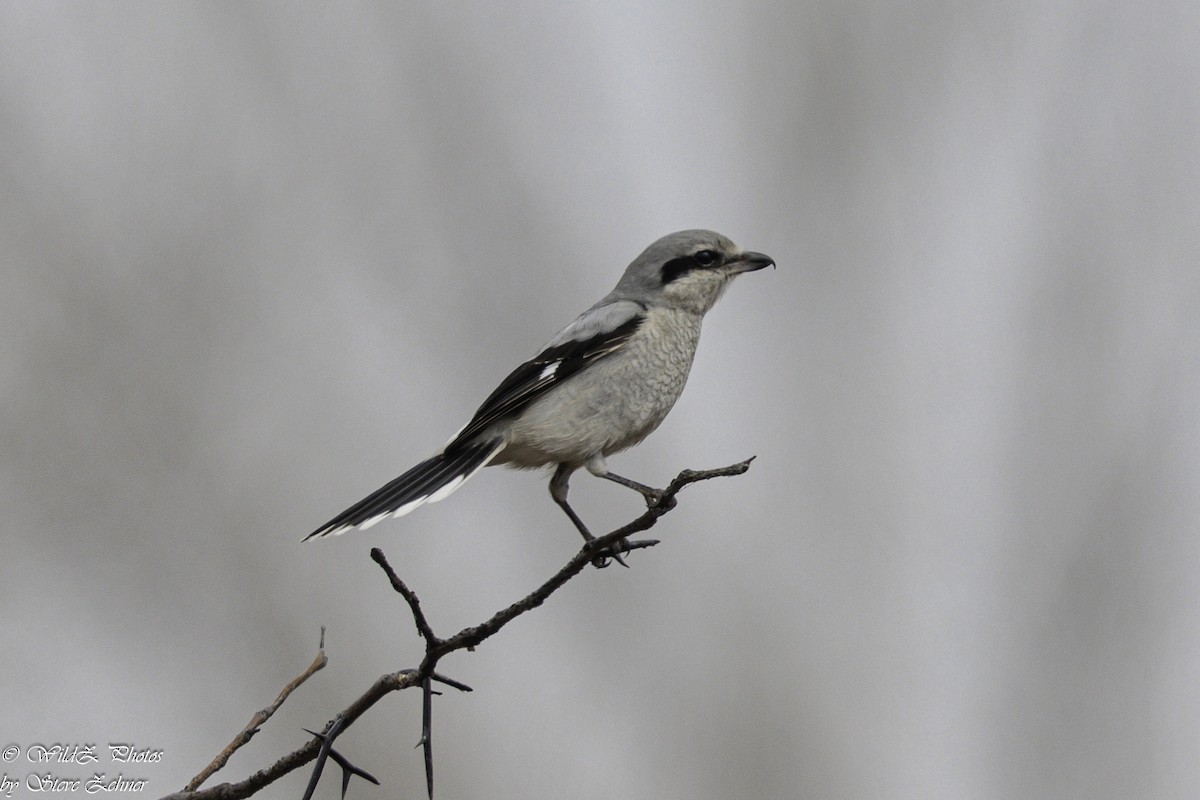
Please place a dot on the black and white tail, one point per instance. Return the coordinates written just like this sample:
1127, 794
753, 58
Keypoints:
432, 480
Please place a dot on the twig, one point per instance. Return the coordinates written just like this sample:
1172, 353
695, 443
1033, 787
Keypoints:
423, 628
259, 718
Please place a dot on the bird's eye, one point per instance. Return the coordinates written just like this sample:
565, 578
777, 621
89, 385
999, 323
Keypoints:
706, 258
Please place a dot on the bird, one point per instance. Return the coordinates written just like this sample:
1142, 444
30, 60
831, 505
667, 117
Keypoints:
601, 385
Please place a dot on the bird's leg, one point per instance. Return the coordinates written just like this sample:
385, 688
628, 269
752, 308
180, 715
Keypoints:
653, 496
558, 491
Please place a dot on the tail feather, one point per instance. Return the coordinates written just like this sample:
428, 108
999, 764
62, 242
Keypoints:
432, 480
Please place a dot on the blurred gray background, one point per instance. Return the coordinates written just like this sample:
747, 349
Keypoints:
259, 258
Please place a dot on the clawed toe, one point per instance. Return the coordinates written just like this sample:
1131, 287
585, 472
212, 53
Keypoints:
654, 499
613, 553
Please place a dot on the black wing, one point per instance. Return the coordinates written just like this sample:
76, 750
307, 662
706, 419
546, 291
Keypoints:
547, 369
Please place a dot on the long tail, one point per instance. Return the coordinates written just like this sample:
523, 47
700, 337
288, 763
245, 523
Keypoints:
432, 480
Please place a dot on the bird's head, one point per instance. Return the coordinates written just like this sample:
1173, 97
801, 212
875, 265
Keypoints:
688, 270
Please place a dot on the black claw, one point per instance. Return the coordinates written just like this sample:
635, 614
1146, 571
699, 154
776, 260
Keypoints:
615, 553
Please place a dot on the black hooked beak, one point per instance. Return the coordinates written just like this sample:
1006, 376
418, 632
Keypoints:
749, 261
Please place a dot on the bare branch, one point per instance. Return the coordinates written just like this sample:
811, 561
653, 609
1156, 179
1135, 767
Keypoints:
615, 542
259, 718
383, 686
423, 628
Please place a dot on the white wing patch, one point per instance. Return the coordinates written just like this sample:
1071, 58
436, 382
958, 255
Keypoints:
447, 490
373, 520
549, 370
450, 488
407, 507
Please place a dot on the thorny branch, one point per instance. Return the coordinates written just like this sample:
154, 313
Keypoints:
436, 648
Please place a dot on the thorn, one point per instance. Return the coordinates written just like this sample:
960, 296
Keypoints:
427, 731
326, 751
462, 687
349, 770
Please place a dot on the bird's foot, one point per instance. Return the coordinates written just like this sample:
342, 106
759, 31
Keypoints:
613, 553
621, 548
654, 499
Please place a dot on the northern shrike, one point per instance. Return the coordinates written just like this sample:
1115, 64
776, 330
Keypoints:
600, 386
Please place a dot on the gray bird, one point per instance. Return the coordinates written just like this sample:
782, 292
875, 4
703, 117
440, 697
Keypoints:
603, 384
